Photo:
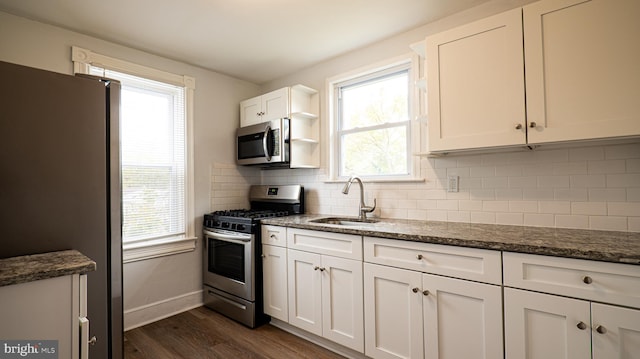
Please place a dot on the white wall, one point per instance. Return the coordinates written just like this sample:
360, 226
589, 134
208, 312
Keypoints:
156, 287
589, 187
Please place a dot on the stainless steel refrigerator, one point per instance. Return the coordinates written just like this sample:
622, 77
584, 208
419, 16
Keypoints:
60, 182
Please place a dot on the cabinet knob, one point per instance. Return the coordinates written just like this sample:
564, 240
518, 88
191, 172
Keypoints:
587, 280
519, 126
416, 290
420, 257
600, 329
316, 268
581, 326
322, 269
532, 125
425, 292
263, 256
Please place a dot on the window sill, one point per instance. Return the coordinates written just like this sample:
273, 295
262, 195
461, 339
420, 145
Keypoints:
132, 252
380, 180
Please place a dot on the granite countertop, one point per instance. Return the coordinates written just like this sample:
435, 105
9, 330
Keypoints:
619, 247
34, 267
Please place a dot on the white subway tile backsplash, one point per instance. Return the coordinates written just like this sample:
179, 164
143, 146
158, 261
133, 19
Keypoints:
594, 187
523, 206
572, 221
607, 166
554, 207
623, 180
586, 154
608, 223
589, 208
483, 217
570, 194
553, 181
629, 209
495, 206
630, 150
607, 195
514, 219
535, 194
587, 181
539, 220
523, 182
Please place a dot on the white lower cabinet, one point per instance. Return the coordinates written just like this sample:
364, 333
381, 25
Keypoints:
409, 314
325, 297
554, 325
51, 309
541, 325
274, 274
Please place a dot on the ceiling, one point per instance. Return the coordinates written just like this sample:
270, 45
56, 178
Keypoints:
254, 40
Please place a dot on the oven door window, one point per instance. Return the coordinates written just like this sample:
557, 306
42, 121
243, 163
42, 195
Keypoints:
227, 259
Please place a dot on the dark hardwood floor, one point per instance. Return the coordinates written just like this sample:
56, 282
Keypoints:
203, 333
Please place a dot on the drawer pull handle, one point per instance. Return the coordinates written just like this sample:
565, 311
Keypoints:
419, 256
581, 326
425, 292
273, 236
416, 290
587, 280
263, 256
600, 329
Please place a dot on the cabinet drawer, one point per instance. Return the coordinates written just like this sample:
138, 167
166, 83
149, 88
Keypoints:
467, 263
274, 235
334, 244
600, 281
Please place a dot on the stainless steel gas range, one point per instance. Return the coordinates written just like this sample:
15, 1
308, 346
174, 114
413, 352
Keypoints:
232, 266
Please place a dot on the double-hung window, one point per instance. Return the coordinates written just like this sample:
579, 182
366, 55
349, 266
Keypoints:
154, 149
371, 124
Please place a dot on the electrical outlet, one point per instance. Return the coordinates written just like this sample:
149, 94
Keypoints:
452, 184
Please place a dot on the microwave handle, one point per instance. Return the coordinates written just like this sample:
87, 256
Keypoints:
264, 143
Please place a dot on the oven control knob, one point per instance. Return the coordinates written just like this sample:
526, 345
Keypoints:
240, 227
225, 225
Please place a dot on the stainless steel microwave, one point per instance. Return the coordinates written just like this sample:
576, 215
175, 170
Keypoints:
265, 144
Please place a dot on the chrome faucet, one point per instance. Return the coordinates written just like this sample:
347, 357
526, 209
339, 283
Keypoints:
364, 209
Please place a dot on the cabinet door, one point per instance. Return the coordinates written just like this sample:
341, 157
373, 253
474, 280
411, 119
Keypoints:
542, 326
342, 302
275, 104
393, 312
616, 332
305, 290
251, 111
47, 309
582, 69
274, 272
475, 78
454, 309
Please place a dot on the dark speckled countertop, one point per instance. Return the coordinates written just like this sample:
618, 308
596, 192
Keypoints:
619, 247
16, 270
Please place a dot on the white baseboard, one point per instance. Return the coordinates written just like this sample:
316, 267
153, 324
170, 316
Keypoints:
153, 312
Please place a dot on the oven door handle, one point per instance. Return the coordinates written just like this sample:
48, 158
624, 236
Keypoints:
228, 238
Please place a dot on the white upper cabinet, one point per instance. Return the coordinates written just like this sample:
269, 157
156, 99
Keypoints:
579, 60
270, 106
475, 84
582, 68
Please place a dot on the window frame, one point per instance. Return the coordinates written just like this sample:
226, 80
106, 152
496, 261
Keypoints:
364, 74
151, 248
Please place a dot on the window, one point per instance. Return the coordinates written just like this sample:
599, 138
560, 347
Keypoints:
371, 125
154, 162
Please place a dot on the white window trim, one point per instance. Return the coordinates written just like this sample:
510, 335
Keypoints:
135, 251
415, 141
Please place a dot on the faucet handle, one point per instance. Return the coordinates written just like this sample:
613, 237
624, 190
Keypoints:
370, 209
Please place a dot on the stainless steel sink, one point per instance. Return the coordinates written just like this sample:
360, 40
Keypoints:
345, 221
